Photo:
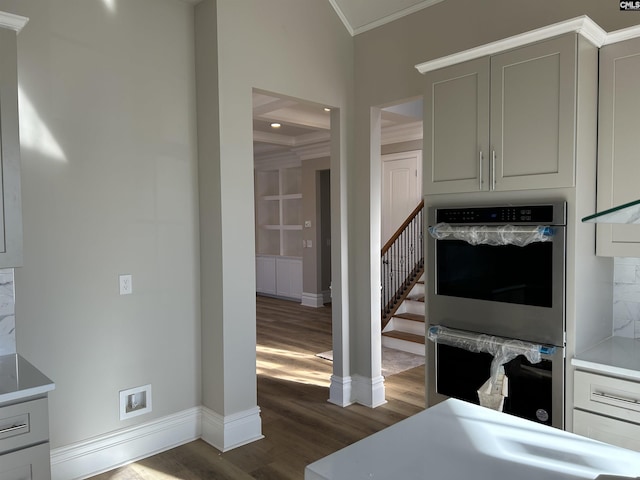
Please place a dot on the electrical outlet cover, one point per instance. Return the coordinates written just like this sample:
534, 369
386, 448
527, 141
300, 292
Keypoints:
126, 285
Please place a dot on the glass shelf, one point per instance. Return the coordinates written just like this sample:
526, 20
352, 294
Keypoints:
626, 213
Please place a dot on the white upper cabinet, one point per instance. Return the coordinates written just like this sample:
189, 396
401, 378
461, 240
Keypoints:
533, 105
619, 144
503, 122
10, 191
456, 128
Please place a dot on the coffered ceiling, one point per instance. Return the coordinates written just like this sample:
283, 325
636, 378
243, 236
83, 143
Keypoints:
305, 128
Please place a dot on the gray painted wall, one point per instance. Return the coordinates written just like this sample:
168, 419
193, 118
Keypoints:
107, 117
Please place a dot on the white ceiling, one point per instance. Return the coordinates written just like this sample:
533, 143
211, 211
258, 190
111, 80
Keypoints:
362, 15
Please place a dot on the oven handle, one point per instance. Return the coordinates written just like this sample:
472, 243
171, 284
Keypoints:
503, 349
520, 235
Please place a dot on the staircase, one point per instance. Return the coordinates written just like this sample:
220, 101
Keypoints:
403, 322
405, 330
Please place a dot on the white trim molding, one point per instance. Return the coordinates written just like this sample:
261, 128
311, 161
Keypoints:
315, 300
228, 432
623, 34
384, 19
369, 391
340, 391
582, 25
12, 22
106, 452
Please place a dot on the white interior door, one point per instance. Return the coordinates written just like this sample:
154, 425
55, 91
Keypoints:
401, 189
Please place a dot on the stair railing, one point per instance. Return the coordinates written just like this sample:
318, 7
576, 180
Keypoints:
402, 262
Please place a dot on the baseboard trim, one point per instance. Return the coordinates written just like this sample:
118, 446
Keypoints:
106, 452
369, 391
340, 391
231, 431
315, 300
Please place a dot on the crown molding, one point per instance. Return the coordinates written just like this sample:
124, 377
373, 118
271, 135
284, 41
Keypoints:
12, 22
582, 25
342, 17
401, 133
395, 16
316, 150
623, 34
355, 30
267, 159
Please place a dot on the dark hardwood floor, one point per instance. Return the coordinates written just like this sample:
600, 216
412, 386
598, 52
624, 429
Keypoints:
298, 423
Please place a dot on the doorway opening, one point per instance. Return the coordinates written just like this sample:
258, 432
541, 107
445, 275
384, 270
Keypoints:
292, 164
396, 165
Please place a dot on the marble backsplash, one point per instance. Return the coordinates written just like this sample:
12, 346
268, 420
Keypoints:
7, 312
626, 297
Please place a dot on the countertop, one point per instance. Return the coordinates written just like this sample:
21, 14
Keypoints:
617, 356
456, 440
19, 379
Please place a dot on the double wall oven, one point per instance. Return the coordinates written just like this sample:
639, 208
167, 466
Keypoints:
499, 271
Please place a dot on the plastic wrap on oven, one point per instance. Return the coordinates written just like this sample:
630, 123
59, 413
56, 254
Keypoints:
490, 235
503, 350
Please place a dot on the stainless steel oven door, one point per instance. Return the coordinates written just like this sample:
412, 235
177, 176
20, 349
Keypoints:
536, 391
508, 291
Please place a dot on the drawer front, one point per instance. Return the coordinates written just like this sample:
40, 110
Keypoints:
31, 463
608, 430
23, 424
607, 395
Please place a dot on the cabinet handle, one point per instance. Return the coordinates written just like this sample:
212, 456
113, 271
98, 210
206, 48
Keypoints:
615, 400
480, 170
13, 428
493, 170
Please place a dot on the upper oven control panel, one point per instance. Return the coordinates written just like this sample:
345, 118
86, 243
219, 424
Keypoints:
535, 214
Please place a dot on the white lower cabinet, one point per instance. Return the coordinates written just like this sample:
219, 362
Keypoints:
31, 463
279, 276
607, 409
24, 441
608, 430
266, 274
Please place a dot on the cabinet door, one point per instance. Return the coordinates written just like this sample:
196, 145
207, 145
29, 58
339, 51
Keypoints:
10, 192
289, 277
618, 144
31, 463
266, 274
533, 98
606, 429
456, 128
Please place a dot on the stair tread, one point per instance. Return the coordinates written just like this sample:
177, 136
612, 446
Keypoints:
410, 337
416, 317
416, 299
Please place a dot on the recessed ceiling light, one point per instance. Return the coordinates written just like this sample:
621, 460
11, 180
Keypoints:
275, 125
327, 109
